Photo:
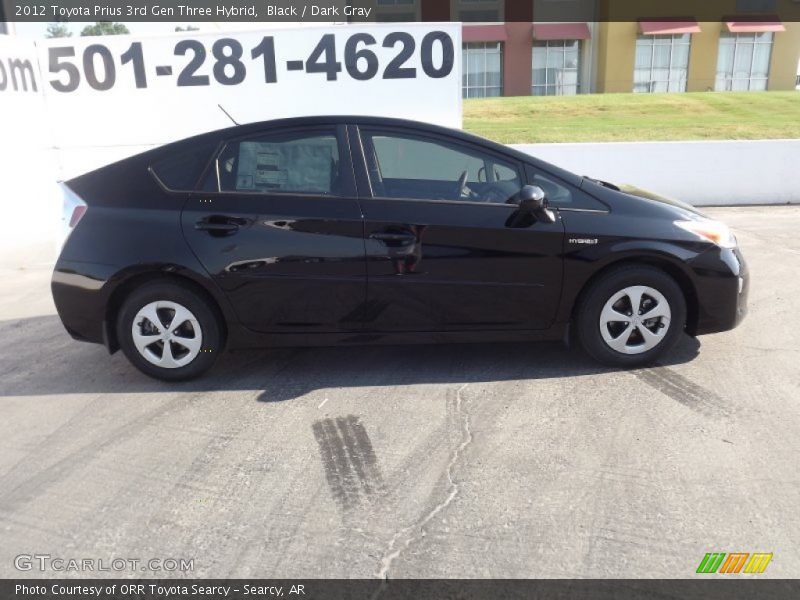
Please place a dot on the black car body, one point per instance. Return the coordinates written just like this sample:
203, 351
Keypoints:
330, 230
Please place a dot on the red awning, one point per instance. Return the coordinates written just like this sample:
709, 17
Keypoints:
668, 27
483, 33
561, 31
754, 26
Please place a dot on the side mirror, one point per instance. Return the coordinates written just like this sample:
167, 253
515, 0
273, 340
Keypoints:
532, 200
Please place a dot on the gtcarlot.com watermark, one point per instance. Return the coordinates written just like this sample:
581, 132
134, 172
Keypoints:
57, 564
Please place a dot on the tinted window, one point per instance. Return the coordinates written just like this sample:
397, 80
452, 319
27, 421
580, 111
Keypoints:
560, 194
181, 170
299, 162
406, 166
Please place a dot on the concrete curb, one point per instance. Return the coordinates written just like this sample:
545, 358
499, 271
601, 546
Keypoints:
705, 173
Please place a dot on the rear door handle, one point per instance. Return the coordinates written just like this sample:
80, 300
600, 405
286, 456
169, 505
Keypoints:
393, 237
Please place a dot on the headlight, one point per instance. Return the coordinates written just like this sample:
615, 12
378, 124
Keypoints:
711, 231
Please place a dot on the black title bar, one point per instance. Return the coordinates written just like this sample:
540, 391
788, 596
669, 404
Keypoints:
186, 11
713, 588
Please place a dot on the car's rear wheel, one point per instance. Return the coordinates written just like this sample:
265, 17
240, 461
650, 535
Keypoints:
168, 331
630, 316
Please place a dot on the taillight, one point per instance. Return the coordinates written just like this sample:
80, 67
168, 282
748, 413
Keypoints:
77, 215
72, 212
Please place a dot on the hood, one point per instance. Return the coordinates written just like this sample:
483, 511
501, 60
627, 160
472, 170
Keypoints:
638, 192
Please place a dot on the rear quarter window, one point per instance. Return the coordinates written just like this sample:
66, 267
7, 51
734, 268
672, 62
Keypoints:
560, 194
179, 171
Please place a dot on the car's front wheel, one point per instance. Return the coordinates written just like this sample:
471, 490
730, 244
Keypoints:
168, 331
631, 316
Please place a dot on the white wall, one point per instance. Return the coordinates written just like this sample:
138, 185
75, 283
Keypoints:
52, 130
701, 173
31, 199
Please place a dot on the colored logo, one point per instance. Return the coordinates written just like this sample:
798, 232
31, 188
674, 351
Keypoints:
734, 562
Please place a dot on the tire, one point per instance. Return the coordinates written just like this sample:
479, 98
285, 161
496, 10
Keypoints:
613, 333
193, 346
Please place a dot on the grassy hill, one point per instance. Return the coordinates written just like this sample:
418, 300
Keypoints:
636, 117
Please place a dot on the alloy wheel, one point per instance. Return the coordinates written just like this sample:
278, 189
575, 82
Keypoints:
167, 334
635, 319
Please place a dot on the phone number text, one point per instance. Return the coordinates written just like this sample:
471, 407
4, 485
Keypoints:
97, 66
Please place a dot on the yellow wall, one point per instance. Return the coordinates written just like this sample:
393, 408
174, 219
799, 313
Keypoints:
615, 56
616, 51
785, 52
703, 58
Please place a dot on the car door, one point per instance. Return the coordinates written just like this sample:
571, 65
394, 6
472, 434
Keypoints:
446, 250
279, 229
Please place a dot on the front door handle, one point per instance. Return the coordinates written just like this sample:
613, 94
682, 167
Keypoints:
394, 237
219, 226
222, 227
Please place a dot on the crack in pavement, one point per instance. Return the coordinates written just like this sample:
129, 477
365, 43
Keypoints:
405, 537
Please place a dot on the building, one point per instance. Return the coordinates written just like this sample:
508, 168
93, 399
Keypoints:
5, 27
734, 55
519, 47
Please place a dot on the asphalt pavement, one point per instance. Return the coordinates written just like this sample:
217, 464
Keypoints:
502, 460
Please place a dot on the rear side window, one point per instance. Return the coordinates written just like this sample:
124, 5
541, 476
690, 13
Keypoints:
181, 170
294, 163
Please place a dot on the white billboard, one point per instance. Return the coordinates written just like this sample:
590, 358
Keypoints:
112, 96
30, 196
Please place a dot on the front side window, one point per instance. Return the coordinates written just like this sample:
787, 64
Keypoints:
300, 163
556, 67
482, 64
662, 63
409, 167
743, 61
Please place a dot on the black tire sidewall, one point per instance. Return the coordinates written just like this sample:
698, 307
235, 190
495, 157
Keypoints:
592, 303
184, 296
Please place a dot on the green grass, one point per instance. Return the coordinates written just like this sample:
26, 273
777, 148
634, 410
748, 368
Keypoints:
636, 117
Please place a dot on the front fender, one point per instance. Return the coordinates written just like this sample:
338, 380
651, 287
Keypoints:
585, 264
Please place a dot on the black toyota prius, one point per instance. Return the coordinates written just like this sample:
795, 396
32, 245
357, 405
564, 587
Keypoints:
354, 230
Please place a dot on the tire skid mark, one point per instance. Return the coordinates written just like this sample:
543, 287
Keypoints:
348, 459
30, 487
684, 391
12, 493
334, 461
362, 453
227, 431
36, 341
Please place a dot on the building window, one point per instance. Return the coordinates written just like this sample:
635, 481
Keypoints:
556, 68
480, 11
662, 63
482, 64
756, 6
394, 11
743, 61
